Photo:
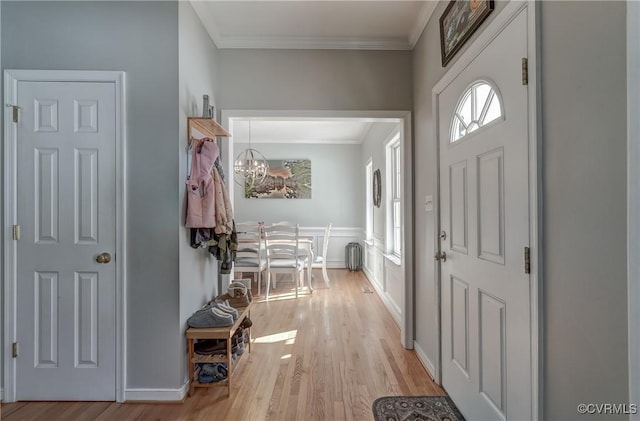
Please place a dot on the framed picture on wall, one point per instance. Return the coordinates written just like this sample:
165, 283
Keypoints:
286, 179
459, 21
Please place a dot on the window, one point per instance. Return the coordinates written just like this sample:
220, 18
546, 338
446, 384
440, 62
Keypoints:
394, 183
369, 199
478, 106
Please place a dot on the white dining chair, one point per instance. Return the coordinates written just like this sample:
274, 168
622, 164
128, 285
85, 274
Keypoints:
283, 255
251, 254
321, 260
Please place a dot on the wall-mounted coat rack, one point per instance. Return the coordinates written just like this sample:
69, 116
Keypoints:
208, 127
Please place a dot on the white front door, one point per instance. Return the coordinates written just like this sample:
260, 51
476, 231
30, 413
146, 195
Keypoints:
66, 212
486, 324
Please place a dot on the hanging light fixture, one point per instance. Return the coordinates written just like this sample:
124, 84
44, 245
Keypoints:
250, 167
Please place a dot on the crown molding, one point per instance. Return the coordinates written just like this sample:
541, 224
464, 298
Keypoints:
311, 43
314, 43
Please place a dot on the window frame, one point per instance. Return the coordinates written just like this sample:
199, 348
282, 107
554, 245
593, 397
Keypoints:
469, 92
394, 185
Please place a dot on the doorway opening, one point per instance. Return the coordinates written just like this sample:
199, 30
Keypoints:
338, 144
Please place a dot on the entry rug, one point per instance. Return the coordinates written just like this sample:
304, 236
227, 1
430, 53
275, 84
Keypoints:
415, 408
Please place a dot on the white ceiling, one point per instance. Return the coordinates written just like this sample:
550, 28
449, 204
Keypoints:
325, 131
315, 24
312, 24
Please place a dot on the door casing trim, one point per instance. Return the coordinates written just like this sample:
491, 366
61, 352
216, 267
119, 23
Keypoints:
633, 198
495, 27
9, 275
403, 118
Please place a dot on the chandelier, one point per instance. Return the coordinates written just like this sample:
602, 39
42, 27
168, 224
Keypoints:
250, 167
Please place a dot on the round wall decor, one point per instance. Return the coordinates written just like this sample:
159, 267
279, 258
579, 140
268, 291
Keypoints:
377, 188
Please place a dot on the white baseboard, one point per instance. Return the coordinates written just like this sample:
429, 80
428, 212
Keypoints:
168, 395
335, 264
1, 394
371, 278
386, 300
426, 362
331, 264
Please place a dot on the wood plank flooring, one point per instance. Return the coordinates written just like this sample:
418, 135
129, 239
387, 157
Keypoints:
324, 356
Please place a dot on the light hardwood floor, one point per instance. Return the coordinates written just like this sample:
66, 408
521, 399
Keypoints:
325, 356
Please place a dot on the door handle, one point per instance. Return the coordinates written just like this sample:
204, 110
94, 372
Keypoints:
103, 258
441, 256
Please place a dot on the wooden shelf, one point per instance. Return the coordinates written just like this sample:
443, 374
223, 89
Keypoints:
201, 358
226, 333
208, 127
221, 383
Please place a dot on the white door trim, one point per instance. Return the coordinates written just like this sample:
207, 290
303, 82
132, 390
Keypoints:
494, 28
406, 139
11, 79
633, 198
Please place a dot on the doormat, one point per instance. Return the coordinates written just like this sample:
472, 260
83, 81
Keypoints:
415, 408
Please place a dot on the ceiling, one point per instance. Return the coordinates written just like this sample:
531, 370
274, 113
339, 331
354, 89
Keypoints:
312, 24
315, 24
287, 130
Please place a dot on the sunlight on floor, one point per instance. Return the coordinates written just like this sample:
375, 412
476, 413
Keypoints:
289, 337
283, 296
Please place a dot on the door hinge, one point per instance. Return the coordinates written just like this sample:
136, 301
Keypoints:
16, 232
16, 112
14, 350
527, 260
525, 71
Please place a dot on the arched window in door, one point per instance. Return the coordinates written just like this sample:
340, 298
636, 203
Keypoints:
478, 106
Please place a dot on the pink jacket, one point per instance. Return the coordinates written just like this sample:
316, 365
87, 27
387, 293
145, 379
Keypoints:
201, 200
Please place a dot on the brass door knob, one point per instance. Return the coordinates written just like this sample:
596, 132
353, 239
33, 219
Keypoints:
103, 258
441, 256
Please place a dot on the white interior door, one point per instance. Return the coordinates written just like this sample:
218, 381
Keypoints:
66, 211
486, 325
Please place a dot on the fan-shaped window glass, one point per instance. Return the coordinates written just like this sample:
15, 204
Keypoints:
478, 106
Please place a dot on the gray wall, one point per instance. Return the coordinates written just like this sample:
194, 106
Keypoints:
336, 187
197, 61
584, 188
140, 38
314, 80
584, 201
